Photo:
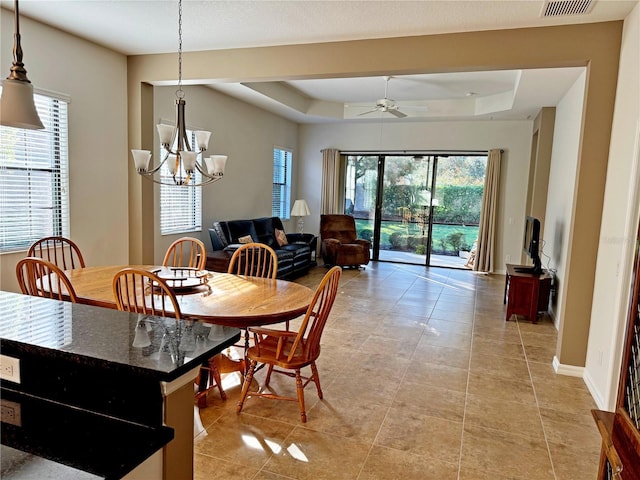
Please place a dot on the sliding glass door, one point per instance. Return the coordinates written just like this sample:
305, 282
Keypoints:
458, 183
405, 207
417, 209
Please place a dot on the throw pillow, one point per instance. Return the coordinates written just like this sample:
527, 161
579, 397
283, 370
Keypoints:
281, 238
245, 239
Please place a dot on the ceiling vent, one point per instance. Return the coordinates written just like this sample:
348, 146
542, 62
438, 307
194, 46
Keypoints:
558, 8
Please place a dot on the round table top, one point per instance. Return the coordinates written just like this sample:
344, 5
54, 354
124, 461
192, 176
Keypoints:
225, 299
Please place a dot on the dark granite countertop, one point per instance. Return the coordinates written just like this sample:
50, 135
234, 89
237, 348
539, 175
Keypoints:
157, 347
89, 375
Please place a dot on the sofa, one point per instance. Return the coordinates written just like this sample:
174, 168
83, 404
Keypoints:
296, 251
340, 245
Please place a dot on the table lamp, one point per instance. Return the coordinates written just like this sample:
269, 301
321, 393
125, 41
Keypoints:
300, 209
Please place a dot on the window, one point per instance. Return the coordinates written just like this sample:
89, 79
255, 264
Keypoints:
281, 198
180, 207
34, 178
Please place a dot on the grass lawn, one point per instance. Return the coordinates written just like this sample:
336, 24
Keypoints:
440, 233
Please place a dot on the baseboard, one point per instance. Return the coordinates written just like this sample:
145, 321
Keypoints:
595, 394
568, 370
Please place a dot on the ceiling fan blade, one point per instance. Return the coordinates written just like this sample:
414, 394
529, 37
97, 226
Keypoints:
367, 112
396, 113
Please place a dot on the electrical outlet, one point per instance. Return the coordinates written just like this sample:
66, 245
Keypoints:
507, 258
10, 413
9, 368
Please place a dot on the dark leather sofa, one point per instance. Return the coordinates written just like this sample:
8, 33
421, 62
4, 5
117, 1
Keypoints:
294, 259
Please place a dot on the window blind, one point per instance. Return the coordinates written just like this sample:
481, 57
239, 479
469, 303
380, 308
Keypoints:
34, 178
180, 207
281, 195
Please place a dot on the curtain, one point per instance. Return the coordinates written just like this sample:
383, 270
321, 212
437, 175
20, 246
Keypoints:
485, 254
330, 195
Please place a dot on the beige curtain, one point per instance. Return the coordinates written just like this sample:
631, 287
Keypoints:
330, 195
485, 254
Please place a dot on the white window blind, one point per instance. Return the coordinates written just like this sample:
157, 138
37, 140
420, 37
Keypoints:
281, 197
34, 178
180, 206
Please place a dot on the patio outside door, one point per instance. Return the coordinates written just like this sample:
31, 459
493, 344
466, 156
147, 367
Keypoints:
417, 209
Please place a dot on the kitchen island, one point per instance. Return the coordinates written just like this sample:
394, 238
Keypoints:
75, 377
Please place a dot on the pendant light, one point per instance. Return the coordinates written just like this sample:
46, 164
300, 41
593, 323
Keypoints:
17, 108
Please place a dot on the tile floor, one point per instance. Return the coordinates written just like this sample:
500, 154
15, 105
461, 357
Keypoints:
422, 379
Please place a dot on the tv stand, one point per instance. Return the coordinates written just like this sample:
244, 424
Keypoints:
526, 270
526, 292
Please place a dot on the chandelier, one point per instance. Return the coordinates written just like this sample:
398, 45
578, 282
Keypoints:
180, 159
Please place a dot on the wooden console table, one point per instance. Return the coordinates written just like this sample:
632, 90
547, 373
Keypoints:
526, 293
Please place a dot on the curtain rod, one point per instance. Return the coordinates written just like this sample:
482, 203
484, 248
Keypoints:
415, 152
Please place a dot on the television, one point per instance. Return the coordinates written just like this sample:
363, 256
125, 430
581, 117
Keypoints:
531, 245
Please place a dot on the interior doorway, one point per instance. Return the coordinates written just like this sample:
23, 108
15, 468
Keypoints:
421, 208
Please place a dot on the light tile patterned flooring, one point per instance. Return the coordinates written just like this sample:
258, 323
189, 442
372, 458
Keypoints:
422, 379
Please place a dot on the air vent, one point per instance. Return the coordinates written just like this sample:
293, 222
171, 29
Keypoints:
558, 8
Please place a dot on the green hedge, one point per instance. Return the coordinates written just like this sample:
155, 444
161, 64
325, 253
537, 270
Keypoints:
458, 204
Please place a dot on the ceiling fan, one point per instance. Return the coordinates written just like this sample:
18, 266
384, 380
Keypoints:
386, 105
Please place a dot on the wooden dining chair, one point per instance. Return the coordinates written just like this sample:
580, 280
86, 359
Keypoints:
254, 260
41, 278
142, 291
291, 351
186, 252
60, 251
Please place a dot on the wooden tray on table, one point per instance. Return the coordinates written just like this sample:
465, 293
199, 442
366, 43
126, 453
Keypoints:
183, 279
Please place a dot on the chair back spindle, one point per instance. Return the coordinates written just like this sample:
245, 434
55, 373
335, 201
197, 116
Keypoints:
60, 251
141, 291
40, 278
186, 252
254, 260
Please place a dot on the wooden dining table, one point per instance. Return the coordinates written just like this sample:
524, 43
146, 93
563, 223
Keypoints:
222, 298
219, 298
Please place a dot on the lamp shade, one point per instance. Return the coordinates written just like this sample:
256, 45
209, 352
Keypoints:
166, 133
141, 159
17, 108
189, 160
300, 209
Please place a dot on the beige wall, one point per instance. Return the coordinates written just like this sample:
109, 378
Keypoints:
246, 134
560, 198
95, 80
514, 137
619, 226
540, 164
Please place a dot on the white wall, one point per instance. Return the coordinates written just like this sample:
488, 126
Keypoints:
562, 175
95, 80
619, 227
512, 136
246, 134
